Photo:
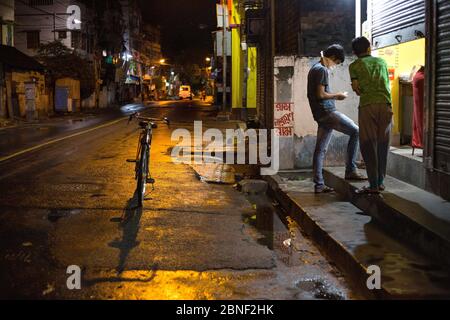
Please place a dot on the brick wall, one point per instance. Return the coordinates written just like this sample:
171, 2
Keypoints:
306, 28
287, 27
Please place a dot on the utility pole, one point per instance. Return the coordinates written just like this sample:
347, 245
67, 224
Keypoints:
224, 54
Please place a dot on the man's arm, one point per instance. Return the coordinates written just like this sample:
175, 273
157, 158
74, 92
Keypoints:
355, 87
323, 95
354, 78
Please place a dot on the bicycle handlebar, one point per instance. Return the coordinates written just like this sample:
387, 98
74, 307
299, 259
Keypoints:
138, 117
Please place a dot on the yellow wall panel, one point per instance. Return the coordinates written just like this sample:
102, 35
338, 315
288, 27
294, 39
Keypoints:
252, 53
237, 72
402, 57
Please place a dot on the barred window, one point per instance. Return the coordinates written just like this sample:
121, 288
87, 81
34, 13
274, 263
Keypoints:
34, 3
33, 39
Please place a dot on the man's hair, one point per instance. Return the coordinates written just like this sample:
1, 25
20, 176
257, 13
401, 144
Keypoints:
360, 45
336, 51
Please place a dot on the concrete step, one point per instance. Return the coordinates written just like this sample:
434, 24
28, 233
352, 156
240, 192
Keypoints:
419, 218
355, 241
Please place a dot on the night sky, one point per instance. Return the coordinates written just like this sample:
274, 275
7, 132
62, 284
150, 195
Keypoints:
186, 27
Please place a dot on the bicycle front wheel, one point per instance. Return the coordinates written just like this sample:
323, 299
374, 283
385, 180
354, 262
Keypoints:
142, 176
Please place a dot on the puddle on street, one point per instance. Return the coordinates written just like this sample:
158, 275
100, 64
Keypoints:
215, 173
304, 269
55, 214
320, 289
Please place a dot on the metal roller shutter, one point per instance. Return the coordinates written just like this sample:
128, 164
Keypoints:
265, 74
442, 87
397, 21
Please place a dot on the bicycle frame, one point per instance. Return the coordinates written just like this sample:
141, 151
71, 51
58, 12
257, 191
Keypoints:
145, 137
142, 168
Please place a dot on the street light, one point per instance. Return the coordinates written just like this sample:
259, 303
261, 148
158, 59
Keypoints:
208, 59
162, 61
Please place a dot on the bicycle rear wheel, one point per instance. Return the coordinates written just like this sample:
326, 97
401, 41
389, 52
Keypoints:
142, 176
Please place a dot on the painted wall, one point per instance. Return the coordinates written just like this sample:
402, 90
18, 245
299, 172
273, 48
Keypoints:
74, 91
302, 146
402, 57
237, 71
252, 71
237, 56
19, 78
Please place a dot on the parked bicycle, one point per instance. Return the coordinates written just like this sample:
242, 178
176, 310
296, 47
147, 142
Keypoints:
142, 160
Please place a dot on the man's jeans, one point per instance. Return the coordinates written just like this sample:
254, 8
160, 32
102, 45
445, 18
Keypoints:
339, 122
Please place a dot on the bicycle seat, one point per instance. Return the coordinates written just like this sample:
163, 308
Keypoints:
144, 124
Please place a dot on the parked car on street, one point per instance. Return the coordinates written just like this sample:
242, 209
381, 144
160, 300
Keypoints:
185, 93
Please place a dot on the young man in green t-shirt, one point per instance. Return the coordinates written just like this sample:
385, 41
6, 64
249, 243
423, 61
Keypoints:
370, 81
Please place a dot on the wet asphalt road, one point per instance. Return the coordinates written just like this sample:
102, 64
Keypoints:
72, 203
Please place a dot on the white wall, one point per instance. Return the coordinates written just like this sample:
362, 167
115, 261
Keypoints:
7, 22
305, 126
339, 82
7, 10
41, 18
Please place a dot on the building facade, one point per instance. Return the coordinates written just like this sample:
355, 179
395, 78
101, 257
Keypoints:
7, 22
407, 34
44, 21
251, 25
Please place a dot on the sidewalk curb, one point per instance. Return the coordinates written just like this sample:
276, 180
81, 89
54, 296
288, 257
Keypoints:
400, 224
333, 249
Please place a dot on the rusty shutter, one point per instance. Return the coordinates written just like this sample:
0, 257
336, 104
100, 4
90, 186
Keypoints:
265, 74
442, 87
261, 81
397, 21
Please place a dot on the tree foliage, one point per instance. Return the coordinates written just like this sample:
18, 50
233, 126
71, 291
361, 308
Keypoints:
62, 62
110, 25
191, 74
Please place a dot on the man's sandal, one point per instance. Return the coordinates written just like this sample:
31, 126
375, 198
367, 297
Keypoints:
324, 189
367, 190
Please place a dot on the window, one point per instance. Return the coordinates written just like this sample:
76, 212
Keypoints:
34, 3
76, 39
33, 39
62, 34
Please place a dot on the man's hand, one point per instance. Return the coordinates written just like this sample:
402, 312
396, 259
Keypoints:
341, 96
323, 95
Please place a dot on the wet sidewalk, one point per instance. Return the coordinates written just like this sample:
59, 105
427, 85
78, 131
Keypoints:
356, 241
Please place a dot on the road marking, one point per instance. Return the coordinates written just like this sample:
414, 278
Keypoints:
60, 139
